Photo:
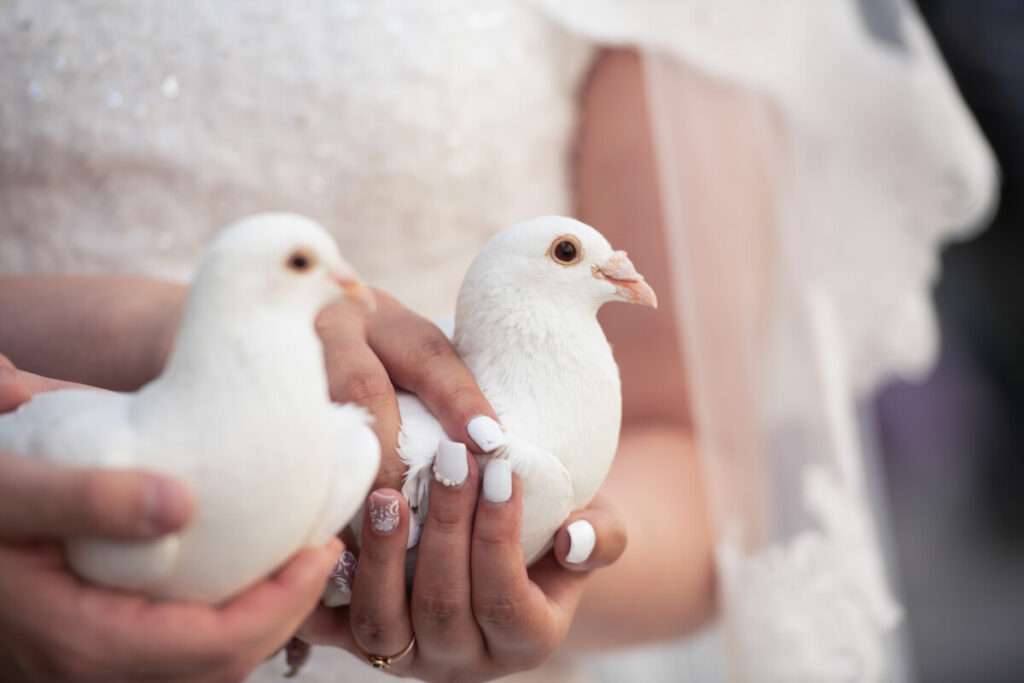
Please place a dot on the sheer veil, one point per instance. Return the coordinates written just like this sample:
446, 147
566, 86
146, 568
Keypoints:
812, 157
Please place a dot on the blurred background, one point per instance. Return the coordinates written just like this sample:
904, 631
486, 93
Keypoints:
954, 445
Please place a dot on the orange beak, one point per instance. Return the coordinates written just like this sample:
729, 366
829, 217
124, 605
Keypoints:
357, 290
629, 284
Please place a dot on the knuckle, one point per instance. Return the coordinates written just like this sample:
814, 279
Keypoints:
498, 611
440, 610
465, 397
373, 554
494, 534
369, 631
432, 347
367, 387
446, 519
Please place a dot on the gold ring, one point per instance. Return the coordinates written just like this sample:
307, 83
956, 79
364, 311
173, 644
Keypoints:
384, 663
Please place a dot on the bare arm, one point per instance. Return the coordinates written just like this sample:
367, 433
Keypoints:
664, 583
107, 331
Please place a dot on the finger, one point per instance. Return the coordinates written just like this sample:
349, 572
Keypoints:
187, 638
283, 602
442, 611
356, 375
37, 384
511, 611
421, 359
13, 391
378, 615
328, 626
563, 589
591, 539
41, 500
17, 386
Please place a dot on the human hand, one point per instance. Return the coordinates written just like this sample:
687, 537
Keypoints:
55, 627
476, 611
369, 354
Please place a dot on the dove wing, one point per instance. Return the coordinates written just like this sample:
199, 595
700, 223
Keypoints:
355, 469
91, 428
77, 427
548, 497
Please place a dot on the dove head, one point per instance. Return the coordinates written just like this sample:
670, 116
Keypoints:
280, 261
557, 260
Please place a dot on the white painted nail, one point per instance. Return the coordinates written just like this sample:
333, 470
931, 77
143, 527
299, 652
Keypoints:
415, 529
451, 467
486, 432
498, 481
582, 539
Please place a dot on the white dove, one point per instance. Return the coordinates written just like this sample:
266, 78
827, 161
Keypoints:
241, 414
526, 326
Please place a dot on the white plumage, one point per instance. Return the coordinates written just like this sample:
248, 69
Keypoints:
526, 326
241, 414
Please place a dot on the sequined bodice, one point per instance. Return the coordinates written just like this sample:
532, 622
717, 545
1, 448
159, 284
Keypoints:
130, 131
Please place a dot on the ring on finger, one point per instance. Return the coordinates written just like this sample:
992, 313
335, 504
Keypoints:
384, 663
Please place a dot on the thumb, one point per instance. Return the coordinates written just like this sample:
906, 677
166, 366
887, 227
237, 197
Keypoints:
41, 500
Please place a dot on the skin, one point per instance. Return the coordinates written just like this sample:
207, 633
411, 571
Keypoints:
476, 609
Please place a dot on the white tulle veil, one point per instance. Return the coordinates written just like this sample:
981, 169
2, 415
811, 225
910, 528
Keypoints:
813, 155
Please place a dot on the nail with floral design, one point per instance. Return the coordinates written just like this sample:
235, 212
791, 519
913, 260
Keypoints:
384, 512
339, 585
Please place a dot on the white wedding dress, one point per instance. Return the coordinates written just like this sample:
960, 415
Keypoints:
130, 131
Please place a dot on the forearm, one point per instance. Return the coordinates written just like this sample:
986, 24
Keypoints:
664, 584
107, 331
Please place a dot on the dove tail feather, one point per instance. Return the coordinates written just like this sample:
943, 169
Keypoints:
418, 474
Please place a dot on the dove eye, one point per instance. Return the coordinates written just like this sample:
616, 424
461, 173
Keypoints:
566, 250
301, 261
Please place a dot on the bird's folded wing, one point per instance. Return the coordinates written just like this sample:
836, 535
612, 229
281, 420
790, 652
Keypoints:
80, 427
547, 494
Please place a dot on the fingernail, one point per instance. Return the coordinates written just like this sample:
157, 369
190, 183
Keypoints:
415, 529
486, 433
384, 512
451, 467
339, 585
582, 539
167, 506
497, 481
